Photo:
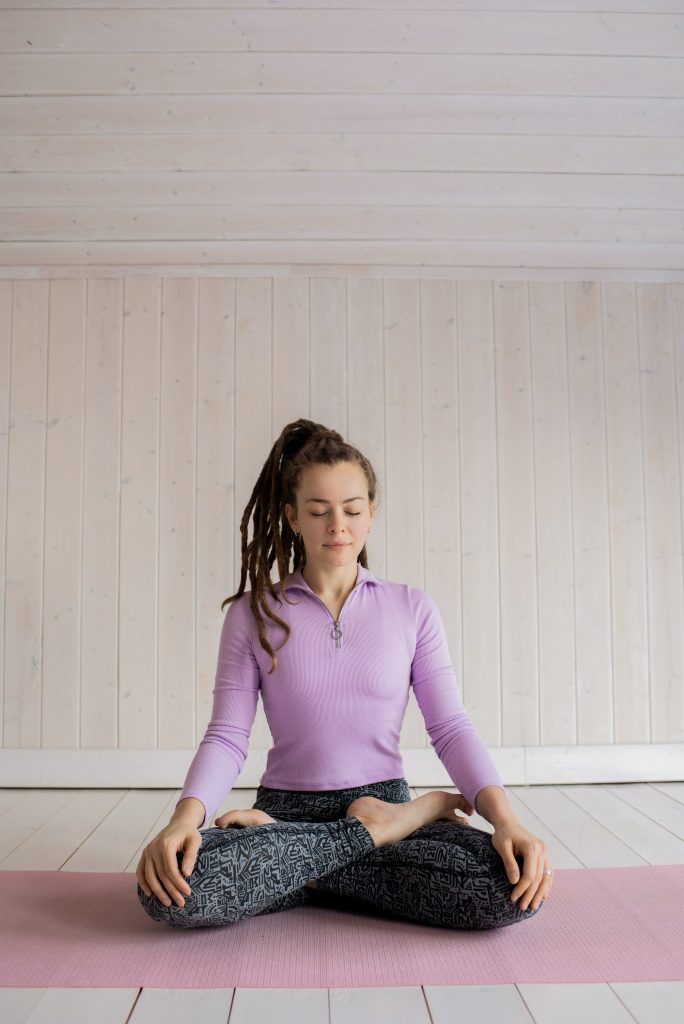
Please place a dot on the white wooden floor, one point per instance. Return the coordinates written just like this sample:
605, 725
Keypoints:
582, 825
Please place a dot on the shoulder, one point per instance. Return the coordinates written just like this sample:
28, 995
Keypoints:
425, 613
238, 613
412, 604
241, 614
420, 601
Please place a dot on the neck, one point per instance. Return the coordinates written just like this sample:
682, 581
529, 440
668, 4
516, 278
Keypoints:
334, 583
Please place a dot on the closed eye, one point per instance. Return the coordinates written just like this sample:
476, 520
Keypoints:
318, 514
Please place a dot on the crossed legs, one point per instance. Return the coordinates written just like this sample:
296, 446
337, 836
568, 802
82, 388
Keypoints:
412, 859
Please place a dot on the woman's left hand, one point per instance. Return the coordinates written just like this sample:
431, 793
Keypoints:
533, 885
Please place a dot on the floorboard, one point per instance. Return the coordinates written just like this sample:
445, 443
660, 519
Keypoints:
582, 826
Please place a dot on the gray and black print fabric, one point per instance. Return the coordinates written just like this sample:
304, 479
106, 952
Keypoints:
444, 874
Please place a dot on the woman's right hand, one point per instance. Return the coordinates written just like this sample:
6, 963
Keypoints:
158, 870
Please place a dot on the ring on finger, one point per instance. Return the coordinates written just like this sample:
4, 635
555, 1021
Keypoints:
538, 898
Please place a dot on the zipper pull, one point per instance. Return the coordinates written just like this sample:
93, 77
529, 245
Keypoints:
336, 633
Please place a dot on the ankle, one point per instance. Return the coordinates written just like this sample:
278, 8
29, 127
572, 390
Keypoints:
372, 827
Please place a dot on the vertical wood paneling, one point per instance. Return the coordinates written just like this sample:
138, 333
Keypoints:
366, 398
527, 435
25, 512
99, 681
176, 655
629, 617
215, 495
677, 298
404, 472
291, 351
254, 427
553, 511
663, 513
139, 541
590, 513
5, 358
442, 528
480, 604
440, 451
63, 526
290, 400
291, 369
329, 352
403, 432
527, 444
517, 515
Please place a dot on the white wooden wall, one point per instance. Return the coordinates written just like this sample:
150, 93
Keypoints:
380, 136
526, 436
454, 234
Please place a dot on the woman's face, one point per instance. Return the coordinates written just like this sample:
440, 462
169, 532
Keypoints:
332, 518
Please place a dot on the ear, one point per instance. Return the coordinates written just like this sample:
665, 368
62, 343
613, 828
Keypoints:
288, 516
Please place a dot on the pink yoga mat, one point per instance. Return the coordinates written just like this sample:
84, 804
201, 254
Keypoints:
68, 929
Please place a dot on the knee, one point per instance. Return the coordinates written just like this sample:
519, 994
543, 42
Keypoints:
213, 899
516, 914
174, 915
195, 914
489, 888
505, 911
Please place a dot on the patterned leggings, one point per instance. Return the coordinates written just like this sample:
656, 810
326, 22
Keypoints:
444, 874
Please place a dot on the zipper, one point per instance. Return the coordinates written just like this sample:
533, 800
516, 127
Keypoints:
336, 632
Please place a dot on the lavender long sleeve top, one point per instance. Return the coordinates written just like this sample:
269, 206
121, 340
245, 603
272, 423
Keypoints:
337, 698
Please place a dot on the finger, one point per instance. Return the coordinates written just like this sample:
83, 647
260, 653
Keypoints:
533, 888
189, 855
529, 873
188, 859
464, 804
176, 896
455, 817
170, 892
510, 863
140, 875
154, 883
172, 879
234, 817
177, 875
543, 890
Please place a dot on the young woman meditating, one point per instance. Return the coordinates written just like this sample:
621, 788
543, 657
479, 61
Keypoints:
334, 816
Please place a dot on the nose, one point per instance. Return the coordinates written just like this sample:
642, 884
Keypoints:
337, 532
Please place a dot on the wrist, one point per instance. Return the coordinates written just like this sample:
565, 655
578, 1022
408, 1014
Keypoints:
190, 810
492, 803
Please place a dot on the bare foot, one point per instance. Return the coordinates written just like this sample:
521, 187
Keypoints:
388, 823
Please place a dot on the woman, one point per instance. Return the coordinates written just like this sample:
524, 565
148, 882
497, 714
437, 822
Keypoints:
335, 697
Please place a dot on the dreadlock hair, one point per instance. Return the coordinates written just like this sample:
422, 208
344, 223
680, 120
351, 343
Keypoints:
302, 443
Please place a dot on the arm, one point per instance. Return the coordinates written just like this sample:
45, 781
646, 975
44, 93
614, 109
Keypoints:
451, 730
492, 804
467, 760
223, 750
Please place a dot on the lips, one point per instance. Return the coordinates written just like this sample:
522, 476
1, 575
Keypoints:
336, 545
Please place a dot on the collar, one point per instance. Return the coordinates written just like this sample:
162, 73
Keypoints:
295, 580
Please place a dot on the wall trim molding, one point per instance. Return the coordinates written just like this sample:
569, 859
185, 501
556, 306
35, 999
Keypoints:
166, 769
631, 275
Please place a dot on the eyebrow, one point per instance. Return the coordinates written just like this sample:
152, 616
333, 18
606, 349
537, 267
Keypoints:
324, 501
